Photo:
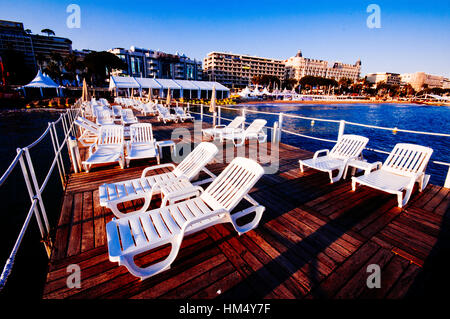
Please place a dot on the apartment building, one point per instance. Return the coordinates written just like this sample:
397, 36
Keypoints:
419, 80
387, 77
299, 66
148, 63
238, 69
14, 37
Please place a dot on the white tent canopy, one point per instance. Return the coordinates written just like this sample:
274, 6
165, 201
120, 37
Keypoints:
186, 87
42, 81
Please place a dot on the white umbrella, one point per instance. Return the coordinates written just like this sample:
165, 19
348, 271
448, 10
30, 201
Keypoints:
212, 107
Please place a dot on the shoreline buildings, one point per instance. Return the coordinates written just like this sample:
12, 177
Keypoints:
298, 67
148, 63
237, 70
33, 47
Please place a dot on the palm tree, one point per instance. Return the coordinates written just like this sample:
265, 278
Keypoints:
28, 31
48, 32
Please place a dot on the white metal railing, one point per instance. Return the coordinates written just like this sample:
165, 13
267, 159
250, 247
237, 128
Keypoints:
37, 207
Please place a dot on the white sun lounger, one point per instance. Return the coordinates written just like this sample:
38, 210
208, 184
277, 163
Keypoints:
130, 236
405, 166
149, 109
141, 143
236, 125
127, 117
108, 149
182, 115
165, 115
117, 111
89, 131
253, 131
348, 147
113, 194
103, 117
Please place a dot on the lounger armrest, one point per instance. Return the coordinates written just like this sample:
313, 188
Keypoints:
220, 126
181, 195
316, 154
91, 149
146, 170
202, 218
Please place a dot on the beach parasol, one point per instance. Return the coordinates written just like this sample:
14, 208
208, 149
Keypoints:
168, 101
212, 107
149, 98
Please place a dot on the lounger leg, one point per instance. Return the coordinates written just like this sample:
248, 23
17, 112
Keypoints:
143, 273
301, 167
353, 184
250, 225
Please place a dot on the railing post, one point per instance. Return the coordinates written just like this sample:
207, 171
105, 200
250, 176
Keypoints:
59, 161
341, 129
37, 190
447, 179
275, 132
219, 112
280, 126
201, 112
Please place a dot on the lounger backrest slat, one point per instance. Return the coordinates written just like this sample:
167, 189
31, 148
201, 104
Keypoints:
193, 163
111, 134
227, 190
255, 127
141, 133
236, 122
87, 125
349, 146
407, 159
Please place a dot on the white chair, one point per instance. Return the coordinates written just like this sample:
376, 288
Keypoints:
405, 166
182, 115
253, 131
89, 131
117, 111
141, 143
103, 117
348, 147
108, 149
149, 109
127, 117
236, 125
165, 115
113, 194
129, 236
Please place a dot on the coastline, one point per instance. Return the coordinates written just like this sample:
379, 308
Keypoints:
338, 102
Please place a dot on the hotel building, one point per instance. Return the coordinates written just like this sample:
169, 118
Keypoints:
13, 36
386, 77
420, 79
238, 70
298, 67
147, 63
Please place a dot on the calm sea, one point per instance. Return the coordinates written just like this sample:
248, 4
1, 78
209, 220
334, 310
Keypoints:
20, 128
403, 116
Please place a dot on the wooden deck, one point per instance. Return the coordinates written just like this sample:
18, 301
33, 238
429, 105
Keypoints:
315, 240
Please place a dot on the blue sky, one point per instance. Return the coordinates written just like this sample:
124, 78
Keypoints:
414, 35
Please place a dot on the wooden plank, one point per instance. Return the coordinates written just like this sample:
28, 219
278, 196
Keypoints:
74, 246
87, 238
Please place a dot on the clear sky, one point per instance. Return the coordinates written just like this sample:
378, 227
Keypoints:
414, 35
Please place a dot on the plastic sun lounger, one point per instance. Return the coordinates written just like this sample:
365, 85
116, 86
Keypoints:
253, 131
145, 187
141, 143
405, 166
348, 147
149, 109
165, 116
108, 149
182, 115
89, 131
117, 111
130, 236
234, 125
103, 117
127, 117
